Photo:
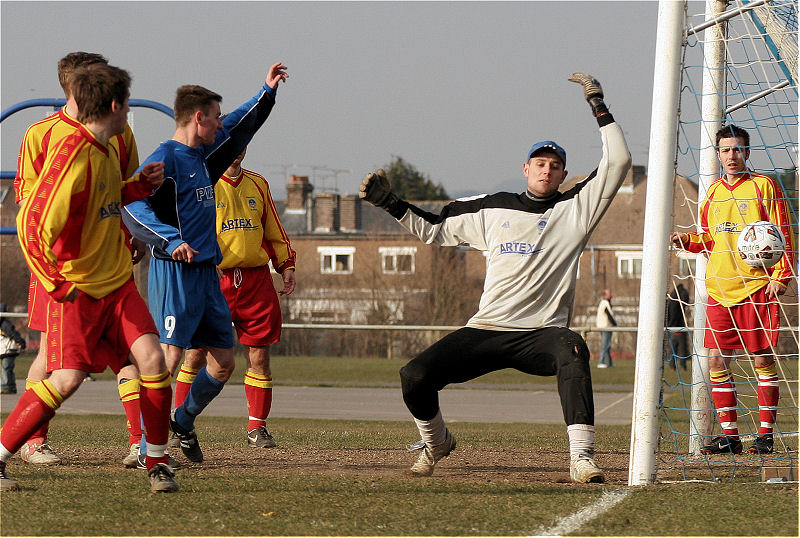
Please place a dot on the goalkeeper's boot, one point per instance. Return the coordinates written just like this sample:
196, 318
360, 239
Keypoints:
430, 455
162, 479
260, 438
189, 444
584, 470
762, 445
39, 453
723, 444
6, 483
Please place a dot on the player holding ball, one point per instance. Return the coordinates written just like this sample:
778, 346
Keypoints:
742, 310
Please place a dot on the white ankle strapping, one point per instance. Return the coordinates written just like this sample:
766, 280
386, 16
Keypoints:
432, 431
581, 440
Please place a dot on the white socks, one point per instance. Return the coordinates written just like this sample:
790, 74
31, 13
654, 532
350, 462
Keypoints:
433, 430
5, 455
581, 440
156, 451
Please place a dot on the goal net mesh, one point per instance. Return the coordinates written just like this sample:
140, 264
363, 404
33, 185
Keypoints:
759, 94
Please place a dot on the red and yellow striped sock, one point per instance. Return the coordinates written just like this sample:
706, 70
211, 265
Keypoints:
37, 405
723, 392
768, 393
155, 397
182, 384
129, 395
40, 435
258, 390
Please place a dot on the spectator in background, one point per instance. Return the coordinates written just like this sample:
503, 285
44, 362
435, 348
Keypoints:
605, 319
11, 344
678, 341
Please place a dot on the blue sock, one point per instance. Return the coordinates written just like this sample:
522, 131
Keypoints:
204, 389
143, 442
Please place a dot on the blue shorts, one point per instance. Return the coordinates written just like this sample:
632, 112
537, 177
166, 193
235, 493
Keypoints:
188, 306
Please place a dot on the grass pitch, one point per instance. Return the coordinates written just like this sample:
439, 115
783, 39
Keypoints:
346, 478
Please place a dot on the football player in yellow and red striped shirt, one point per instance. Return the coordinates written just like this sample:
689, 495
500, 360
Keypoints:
250, 235
71, 235
38, 140
743, 301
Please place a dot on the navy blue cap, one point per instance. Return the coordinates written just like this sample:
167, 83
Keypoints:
551, 146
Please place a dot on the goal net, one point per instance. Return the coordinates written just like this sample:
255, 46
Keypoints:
738, 66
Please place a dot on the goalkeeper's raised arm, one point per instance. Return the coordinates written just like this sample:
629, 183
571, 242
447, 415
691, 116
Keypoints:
545, 170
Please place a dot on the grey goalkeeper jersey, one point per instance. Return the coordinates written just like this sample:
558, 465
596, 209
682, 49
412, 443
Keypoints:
533, 247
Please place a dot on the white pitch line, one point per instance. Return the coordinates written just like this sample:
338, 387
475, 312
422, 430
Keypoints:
573, 522
612, 404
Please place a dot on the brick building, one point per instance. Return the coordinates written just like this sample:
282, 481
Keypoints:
356, 265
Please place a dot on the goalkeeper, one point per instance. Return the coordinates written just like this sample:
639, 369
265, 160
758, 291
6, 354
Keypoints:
533, 242
742, 308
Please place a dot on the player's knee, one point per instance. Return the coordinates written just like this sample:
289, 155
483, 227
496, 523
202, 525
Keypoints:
150, 361
573, 356
258, 359
66, 382
129, 371
221, 364
194, 358
412, 377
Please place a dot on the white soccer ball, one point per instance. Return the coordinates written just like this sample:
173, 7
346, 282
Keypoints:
761, 244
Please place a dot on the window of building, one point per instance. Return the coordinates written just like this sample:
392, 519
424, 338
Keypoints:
336, 260
688, 263
629, 264
398, 260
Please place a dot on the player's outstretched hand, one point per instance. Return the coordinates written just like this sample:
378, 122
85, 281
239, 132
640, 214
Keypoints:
375, 188
679, 240
153, 173
184, 253
277, 73
592, 92
288, 282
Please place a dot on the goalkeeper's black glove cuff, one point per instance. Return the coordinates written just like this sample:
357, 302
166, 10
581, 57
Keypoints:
598, 106
394, 206
605, 119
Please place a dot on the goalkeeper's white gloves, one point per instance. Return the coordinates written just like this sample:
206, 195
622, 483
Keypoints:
592, 92
375, 189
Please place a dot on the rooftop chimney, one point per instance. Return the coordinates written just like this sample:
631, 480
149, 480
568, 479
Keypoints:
350, 213
327, 205
298, 192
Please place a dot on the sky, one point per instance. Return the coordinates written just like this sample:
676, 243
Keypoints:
460, 90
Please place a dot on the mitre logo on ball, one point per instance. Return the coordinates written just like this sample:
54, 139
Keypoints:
761, 244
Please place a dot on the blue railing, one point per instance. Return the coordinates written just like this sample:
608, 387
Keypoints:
56, 104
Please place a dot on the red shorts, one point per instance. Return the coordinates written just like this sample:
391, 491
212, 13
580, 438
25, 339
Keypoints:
751, 324
38, 301
90, 334
254, 305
